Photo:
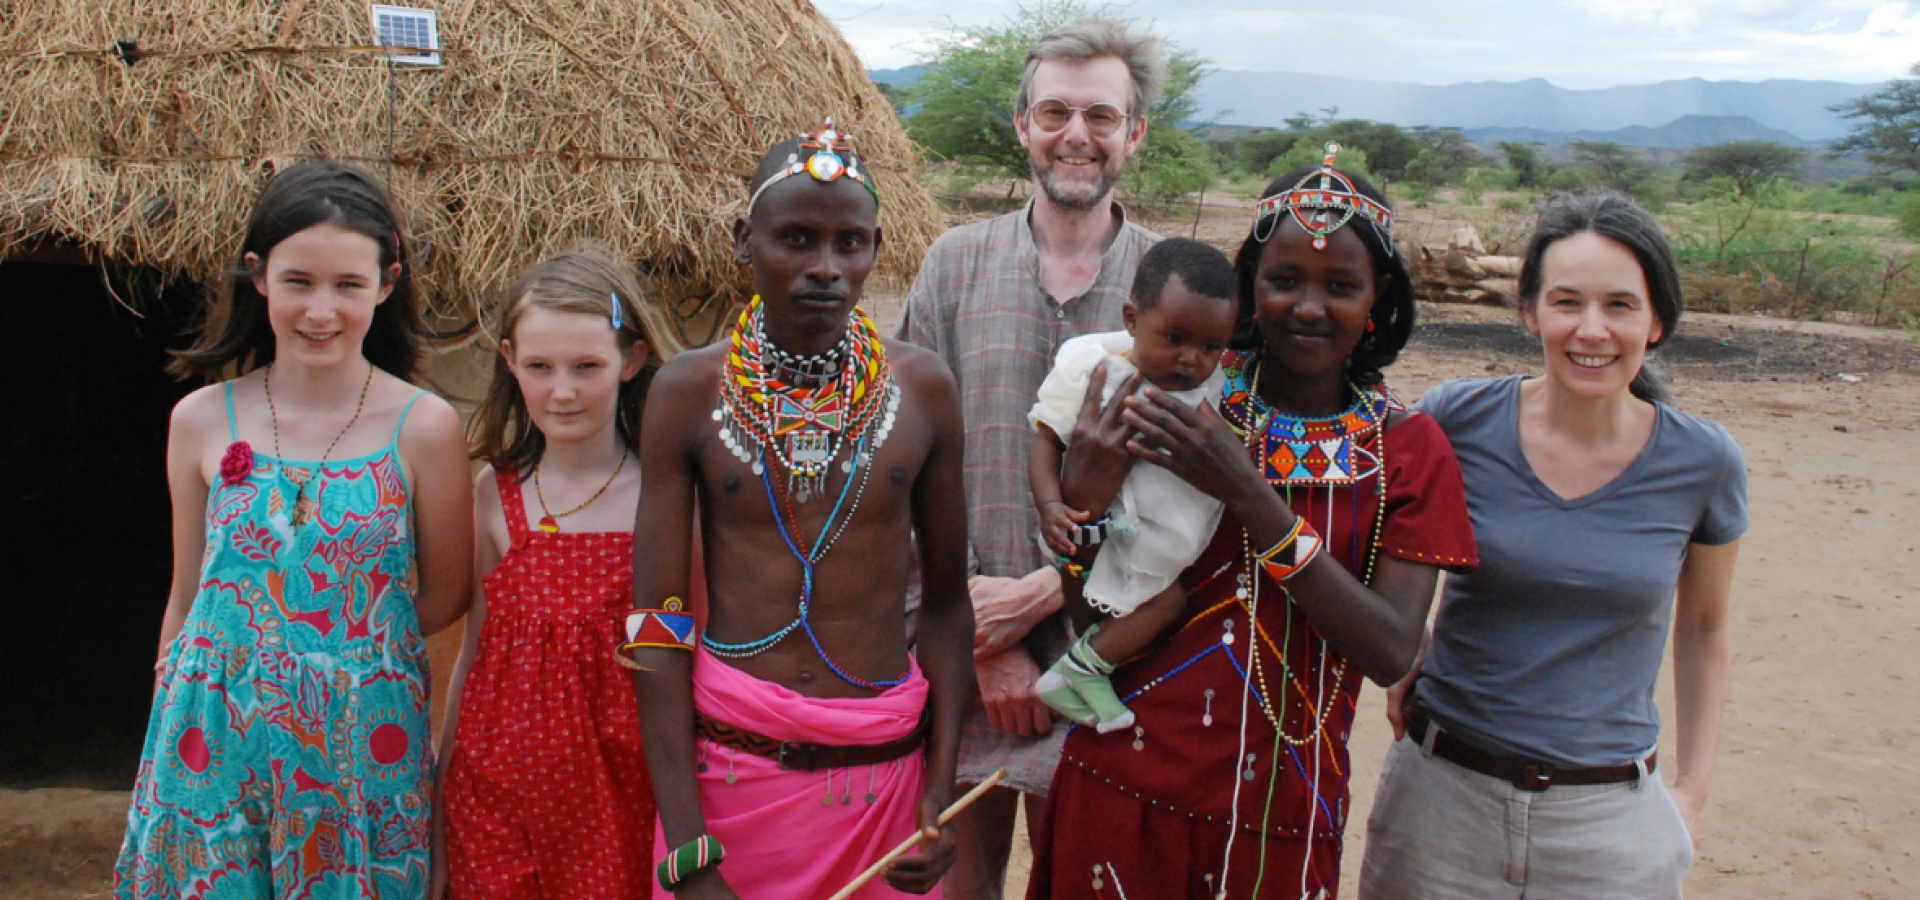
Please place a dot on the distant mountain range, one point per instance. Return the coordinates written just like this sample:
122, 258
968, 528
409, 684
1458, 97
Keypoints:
1683, 133
1671, 114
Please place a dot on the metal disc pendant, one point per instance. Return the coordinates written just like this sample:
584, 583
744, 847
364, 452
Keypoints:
757, 468
718, 415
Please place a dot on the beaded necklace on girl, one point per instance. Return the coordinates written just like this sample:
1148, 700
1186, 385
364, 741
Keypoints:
789, 418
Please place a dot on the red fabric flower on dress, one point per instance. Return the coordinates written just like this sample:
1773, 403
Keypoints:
237, 462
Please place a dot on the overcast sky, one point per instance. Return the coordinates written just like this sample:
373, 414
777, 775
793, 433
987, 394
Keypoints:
1572, 43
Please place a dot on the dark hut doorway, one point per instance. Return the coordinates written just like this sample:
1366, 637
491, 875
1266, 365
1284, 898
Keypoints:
84, 532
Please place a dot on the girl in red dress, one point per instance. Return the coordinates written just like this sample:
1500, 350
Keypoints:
544, 789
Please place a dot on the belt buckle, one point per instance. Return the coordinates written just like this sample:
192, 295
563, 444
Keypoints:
1534, 777
791, 756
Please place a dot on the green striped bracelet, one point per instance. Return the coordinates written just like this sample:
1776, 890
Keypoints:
688, 858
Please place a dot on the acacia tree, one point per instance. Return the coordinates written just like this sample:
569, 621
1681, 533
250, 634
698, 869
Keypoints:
1614, 165
1445, 158
1886, 128
1749, 165
1523, 160
963, 104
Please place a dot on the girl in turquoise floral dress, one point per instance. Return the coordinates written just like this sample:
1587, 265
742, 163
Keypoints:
322, 521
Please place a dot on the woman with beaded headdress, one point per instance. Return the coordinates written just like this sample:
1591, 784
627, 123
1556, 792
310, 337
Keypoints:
1341, 508
1525, 764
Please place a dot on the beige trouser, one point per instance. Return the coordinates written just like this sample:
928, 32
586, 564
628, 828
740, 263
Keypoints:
1441, 832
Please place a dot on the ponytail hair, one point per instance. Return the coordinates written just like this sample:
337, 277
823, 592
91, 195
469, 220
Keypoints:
585, 279
1618, 219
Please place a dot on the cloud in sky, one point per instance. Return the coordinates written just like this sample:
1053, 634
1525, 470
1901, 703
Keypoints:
1572, 43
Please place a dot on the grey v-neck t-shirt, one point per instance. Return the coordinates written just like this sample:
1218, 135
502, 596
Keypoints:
1550, 649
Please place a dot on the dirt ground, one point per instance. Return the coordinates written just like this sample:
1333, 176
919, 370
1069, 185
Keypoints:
1815, 790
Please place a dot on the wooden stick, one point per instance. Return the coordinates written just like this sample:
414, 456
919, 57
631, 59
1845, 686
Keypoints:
897, 852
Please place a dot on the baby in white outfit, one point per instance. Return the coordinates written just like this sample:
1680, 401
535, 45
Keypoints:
1179, 318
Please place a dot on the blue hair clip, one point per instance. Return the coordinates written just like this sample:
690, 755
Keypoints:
618, 319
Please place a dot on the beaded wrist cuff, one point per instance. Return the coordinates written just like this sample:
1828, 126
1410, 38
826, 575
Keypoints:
1292, 554
670, 627
1279, 547
688, 858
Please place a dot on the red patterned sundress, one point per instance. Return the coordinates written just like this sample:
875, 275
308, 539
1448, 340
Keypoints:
547, 792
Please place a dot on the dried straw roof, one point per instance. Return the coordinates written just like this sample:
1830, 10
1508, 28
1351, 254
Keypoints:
633, 121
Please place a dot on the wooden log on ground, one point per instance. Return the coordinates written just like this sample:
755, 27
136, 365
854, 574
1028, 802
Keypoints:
1499, 266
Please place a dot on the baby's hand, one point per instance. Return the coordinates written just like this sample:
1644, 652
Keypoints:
1057, 522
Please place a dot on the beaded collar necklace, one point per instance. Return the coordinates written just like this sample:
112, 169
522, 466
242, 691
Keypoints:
1299, 449
801, 425
802, 428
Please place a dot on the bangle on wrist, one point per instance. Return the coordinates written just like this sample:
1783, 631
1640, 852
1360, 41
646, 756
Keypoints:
1092, 533
1294, 552
700, 853
1281, 546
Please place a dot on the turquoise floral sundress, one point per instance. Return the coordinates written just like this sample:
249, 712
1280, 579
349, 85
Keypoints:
287, 752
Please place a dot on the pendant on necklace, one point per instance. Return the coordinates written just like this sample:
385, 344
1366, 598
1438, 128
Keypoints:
548, 525
302, 510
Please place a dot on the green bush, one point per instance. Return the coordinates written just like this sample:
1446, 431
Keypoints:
1759, 254
1513, 203
1570, 178
1907, 213
1306, 153
1418, 193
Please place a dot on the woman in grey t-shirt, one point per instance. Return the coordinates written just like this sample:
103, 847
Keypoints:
1605, 519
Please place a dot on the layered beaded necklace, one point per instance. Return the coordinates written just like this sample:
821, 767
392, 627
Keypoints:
770, 422
1306, 452
770, 405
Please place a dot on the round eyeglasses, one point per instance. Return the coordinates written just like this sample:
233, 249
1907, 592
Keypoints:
1053, 114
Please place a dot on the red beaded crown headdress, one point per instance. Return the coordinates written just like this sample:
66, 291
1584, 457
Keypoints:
1314, 201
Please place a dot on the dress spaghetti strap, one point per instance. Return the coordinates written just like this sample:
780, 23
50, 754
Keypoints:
233, 428
403, 416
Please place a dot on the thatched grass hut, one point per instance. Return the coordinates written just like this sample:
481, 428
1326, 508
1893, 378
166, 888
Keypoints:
142, 131
135, 134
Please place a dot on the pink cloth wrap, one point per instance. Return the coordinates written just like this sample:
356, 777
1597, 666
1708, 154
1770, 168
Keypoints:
781, 840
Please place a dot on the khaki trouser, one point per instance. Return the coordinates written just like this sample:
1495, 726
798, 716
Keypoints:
1441, 832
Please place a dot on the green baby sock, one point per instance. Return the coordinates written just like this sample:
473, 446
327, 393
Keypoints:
1077, 687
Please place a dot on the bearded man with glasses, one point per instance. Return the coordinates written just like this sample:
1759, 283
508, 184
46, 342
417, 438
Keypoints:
996, 299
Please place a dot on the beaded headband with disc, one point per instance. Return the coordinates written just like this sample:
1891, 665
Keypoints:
1315, 201
825, 155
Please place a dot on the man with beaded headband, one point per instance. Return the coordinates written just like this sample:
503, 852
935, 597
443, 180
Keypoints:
797, 739
1340, 509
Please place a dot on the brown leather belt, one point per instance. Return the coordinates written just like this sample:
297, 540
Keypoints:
800, 757
1523, 774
